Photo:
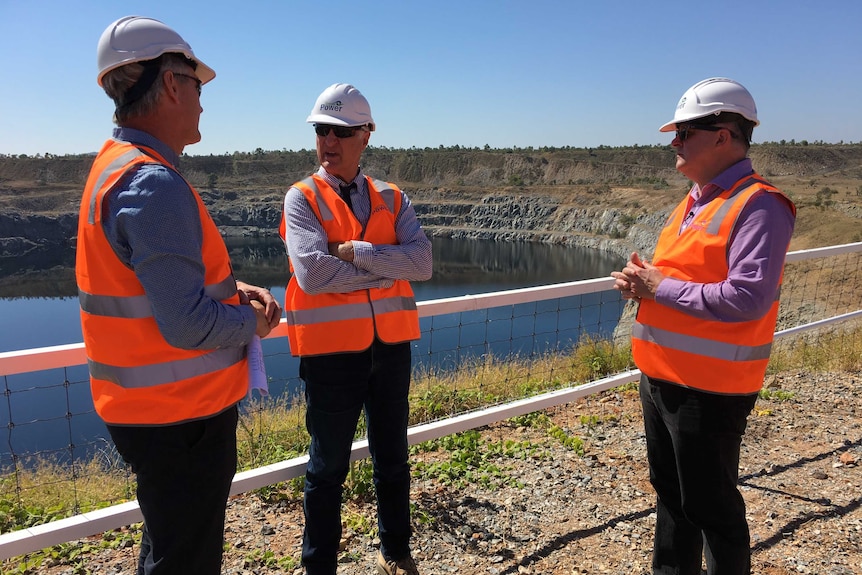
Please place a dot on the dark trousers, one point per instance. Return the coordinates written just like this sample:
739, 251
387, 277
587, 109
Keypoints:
337, 388
184, 474
693, 441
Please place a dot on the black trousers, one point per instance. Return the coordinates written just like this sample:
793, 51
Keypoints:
338, 388
184, 474
693, 441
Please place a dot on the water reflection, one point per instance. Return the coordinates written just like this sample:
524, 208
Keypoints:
53, 410
49, 273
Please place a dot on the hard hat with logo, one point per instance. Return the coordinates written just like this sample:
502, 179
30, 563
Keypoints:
710, 98
341, 105
136, 39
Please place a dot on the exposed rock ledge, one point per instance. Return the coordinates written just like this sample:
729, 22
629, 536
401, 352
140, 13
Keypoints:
534, 218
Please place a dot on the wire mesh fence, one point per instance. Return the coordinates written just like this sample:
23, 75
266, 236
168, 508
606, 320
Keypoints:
475, 352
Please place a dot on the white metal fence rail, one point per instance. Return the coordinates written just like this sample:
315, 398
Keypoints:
91, 523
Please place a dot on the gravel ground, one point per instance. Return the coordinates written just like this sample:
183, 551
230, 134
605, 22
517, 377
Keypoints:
594, 513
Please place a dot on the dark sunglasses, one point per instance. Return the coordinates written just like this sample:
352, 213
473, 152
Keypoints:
683, 131
322, 130
195, 78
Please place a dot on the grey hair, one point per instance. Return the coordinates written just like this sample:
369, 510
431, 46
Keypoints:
118, 81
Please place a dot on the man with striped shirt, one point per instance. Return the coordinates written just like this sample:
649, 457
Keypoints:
354, 244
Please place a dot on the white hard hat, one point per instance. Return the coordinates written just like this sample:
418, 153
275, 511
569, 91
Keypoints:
136, 39
712, 97
341, 105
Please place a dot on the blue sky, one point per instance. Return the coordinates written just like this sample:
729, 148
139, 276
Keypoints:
503, 73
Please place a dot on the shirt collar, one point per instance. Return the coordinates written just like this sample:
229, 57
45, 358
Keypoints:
140, 138
337, 182
723, 181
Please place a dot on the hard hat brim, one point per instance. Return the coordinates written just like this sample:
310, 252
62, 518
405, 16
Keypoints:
669, 127
202, 71
333, 121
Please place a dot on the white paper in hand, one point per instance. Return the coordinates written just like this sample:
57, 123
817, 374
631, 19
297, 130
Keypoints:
256, 368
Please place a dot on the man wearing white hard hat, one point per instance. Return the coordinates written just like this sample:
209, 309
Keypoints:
704, 329
165, 324
354, 245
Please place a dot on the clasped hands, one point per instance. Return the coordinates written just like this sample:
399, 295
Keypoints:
638, 279
266, 308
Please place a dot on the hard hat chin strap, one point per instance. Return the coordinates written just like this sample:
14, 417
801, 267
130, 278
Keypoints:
145, 81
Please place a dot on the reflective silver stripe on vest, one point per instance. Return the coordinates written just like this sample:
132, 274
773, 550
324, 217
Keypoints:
393, 304
388, 194
132, 307
138, 306
721, 213
325, 213
169, 372
223, 290
350, 311
699, 345
327, 314
109, 171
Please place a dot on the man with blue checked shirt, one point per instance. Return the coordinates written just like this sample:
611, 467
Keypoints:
166, 325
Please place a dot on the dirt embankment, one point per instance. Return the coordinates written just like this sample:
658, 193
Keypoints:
606, 198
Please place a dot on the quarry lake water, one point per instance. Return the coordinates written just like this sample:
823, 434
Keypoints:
39, 307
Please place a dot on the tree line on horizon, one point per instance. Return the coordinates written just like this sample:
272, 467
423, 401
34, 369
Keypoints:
456, 148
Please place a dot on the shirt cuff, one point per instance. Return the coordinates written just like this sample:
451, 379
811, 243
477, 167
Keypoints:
362, 254
668, 291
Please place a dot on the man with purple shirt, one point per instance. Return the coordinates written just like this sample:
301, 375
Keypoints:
704, 329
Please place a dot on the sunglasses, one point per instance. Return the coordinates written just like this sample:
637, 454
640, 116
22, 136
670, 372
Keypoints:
682, 132
195, 78
322, 130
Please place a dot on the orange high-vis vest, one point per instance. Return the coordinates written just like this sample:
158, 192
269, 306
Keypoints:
713, 356
136, 377
345, 322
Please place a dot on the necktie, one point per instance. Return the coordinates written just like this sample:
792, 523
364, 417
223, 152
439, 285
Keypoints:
345, 194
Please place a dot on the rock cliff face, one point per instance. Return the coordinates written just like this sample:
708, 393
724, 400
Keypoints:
613, 199
542, 217
20, 233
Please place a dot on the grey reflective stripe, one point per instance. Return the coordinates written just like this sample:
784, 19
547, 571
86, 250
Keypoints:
168, 372
393, 304
719, 216
109, 171
132, 307
350, 311
325, 213
138, 306
327, 314
387, 192
699, 345
222, 290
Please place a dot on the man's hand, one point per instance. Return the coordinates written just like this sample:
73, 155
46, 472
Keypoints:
343, 251
268, 306
638, 279
263, 324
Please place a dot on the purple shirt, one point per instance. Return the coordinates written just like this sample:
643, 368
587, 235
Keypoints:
756, 253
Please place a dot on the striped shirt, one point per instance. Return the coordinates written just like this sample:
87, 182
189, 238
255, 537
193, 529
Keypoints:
373, 266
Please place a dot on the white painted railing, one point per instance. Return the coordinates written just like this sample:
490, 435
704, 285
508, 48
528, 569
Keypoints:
91, 523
